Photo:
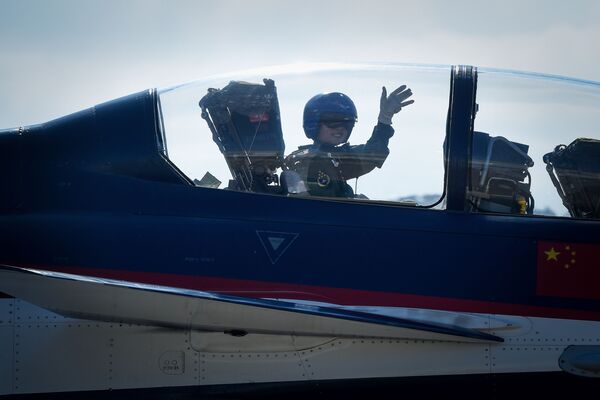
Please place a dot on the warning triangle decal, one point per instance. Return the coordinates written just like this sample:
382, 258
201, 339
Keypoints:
276, 243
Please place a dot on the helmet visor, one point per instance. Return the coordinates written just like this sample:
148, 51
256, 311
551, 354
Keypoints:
336, 117
348, 125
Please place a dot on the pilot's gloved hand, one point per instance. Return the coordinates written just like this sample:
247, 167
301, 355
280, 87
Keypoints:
392, 104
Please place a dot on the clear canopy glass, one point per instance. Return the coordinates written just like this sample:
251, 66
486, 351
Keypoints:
535, 145
413, 171
546, 131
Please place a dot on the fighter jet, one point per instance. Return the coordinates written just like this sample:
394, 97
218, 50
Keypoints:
166, 244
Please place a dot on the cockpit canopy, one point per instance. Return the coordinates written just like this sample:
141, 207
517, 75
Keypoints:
533, 150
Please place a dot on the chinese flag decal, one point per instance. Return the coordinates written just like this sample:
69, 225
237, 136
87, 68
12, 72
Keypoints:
568, 270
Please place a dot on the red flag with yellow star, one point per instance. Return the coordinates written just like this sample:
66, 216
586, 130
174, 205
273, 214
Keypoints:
568, 270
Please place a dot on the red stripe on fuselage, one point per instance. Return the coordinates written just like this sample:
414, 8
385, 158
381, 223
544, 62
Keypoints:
261, 289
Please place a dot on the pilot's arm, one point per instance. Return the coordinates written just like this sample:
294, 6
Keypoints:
362, 159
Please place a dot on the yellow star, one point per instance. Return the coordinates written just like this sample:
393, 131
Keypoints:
552, 254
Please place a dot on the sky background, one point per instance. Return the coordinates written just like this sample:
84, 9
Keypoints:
59, 56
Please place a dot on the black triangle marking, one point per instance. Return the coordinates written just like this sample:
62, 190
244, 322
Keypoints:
276, 243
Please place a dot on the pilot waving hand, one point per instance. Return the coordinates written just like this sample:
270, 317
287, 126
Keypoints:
327, 163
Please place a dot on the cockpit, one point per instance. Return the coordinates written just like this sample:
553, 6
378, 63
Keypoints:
532, 144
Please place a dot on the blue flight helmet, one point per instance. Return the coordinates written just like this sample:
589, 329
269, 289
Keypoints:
325, 107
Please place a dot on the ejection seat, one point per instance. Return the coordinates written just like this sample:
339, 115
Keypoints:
245, 123
575, 173
500, 180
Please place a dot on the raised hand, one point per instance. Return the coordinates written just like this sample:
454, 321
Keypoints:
392, 104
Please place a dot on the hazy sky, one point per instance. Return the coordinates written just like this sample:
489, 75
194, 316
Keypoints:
59, 56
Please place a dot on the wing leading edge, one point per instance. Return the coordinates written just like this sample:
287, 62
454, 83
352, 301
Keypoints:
121, 301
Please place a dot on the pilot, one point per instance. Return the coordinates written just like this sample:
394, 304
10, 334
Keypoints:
327, 163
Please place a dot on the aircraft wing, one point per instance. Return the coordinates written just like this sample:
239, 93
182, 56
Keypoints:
129, 302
